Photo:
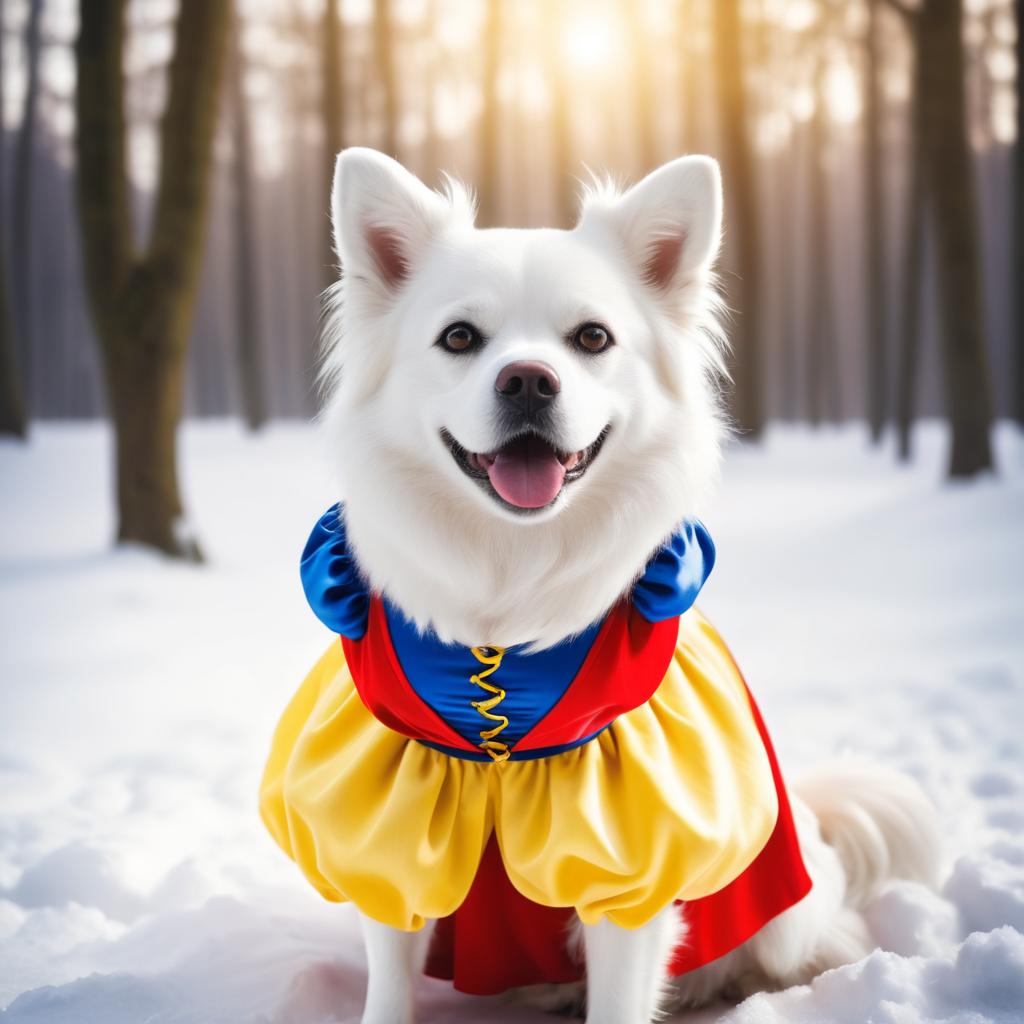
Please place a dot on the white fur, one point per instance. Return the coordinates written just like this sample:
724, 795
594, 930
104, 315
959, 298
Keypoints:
394, 960
626, 970
859, 827
457, 561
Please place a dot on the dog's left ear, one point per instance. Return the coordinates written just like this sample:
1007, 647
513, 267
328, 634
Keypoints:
670, 223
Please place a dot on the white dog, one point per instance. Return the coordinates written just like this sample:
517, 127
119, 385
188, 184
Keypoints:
438, 336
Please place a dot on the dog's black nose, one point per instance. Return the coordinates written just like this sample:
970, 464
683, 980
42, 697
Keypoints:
529, 386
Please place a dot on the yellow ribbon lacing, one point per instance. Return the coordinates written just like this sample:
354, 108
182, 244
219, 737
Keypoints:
491, 657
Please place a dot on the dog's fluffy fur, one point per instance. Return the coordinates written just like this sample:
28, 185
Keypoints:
440, 547
458, 560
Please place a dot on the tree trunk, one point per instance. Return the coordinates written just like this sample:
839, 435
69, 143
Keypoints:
910, 323
247, 293
333, 122
562, 141
875, 219
384, 48
21, 197
310, 261
787, 322
142, 304
743, 231
645, 104
1018, 234
144, 375
821, 319
12, 404
689, 77
432, 149
913, 271
949, 183
787, 165
490, 157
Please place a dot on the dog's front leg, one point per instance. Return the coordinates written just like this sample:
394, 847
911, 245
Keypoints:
394, 960
626, 970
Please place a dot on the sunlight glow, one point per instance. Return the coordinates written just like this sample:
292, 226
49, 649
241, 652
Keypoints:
802, 103
525, 85
797, 15
842, 93
774, 131
1003, 117
588, 39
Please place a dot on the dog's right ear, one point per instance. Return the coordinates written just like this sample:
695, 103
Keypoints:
670, 223
383, 217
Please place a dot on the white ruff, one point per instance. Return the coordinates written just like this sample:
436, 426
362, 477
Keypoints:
475, 577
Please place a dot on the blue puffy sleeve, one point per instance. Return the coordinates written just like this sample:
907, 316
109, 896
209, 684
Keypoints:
674, 576
330, 577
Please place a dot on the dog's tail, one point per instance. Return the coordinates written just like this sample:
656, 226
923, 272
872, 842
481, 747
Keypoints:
879, 822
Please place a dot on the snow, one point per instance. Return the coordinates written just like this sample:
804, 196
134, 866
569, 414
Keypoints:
877, 612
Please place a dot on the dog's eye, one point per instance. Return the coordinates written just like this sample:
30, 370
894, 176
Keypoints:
592, 338
460, 338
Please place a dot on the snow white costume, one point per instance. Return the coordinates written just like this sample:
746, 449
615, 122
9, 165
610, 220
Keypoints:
502, 791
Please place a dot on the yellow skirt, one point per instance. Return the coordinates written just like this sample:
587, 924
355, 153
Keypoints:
673, 801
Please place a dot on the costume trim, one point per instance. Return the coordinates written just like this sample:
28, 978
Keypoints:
491, 657
622, 670
515, 755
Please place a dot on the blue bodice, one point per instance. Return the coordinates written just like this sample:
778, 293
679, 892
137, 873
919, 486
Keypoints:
533, 681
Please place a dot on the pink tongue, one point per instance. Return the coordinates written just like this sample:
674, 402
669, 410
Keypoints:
527, 473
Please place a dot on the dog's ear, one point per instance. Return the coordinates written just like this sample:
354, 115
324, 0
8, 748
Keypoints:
670, 222
383, 216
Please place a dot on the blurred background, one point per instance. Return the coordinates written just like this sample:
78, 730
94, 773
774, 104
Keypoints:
166, 170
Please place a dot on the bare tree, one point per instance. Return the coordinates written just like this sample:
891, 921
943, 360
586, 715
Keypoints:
687, 16
22, 194
562, 140
821, 315
307, 244
787, 325
12, 403
432, 150
1018, 234
787, 162
908, 355
142, 303
875, 218
384, 51
644, 71
949, 185
333, 123
248, 340
744, 234
490, 120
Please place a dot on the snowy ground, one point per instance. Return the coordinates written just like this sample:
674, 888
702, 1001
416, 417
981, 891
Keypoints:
876, 611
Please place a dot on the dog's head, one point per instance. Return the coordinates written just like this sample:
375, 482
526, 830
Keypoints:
500, 400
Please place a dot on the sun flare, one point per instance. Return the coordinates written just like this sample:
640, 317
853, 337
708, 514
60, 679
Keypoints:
588, 38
